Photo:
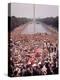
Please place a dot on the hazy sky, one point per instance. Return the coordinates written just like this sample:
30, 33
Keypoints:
26, 10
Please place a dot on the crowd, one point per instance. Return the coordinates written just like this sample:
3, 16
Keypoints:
30, 57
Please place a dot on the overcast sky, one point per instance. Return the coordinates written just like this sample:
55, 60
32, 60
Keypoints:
26, 10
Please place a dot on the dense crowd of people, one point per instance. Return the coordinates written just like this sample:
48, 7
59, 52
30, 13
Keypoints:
30, 57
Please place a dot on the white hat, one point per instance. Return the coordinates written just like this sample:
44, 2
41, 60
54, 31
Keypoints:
29, 63
39, 63
34, 65
46, 61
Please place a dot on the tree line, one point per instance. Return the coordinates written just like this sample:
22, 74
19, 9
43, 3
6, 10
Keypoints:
14, 22
50, 21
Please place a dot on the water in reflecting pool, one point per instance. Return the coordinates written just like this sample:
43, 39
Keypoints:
39, 28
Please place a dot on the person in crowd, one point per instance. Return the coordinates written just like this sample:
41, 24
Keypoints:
33, 57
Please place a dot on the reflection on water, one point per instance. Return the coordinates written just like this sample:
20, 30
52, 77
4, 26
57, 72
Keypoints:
39, 28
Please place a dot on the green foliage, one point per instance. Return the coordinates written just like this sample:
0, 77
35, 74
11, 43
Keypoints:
14, 22
50, 21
